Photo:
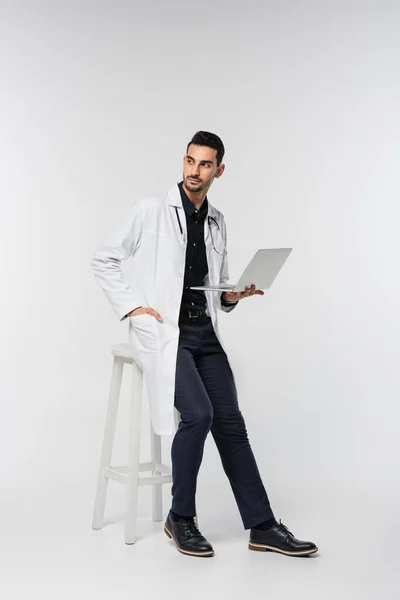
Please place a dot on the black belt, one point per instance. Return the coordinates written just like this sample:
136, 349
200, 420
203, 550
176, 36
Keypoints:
192, 313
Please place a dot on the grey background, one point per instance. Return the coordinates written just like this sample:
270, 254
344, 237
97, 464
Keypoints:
98, 101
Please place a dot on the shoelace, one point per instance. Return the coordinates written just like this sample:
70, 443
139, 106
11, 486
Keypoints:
284, 527
190, 525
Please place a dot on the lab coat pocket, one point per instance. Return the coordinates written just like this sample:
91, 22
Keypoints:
143, 328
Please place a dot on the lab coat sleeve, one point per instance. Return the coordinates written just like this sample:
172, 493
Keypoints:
106, 262
224, 276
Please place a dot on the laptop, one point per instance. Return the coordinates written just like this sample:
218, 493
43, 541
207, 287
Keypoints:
261, 270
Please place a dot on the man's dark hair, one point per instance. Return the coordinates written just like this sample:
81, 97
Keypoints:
211, 140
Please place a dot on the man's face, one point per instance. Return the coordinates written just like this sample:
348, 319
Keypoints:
200, 168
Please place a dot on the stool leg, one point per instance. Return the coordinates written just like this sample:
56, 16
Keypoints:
132, 487
157, 488
108, 441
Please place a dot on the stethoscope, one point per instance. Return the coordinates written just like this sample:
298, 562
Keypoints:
210, 228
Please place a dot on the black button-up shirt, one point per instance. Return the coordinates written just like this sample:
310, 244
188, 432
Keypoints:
196, 267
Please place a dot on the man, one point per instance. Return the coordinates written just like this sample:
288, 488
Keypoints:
177, 242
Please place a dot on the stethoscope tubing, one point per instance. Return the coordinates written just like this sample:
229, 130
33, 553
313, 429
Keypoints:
209, 219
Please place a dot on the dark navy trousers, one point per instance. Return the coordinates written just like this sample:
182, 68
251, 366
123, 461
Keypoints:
206, 397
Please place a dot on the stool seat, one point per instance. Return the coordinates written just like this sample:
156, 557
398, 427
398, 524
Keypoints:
129, 474
123, 351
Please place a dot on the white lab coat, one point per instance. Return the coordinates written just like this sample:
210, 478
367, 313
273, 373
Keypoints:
151, 235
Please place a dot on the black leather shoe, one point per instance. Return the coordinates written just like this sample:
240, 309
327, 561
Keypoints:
187, 537
279, 539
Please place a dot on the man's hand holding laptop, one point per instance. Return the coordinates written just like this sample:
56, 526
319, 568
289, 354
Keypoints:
249, 291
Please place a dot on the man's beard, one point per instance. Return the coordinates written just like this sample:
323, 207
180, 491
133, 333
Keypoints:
194, 185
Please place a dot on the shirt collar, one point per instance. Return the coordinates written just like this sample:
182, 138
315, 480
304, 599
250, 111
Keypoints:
188, 206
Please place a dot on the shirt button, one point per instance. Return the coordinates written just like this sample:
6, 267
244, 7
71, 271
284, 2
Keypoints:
190, 267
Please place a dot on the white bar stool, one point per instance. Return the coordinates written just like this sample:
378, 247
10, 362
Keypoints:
129, 475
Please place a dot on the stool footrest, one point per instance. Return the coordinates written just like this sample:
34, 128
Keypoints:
147, 466
154, 479
120, 473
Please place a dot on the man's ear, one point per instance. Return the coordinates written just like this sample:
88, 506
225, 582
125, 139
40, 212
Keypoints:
220, 170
